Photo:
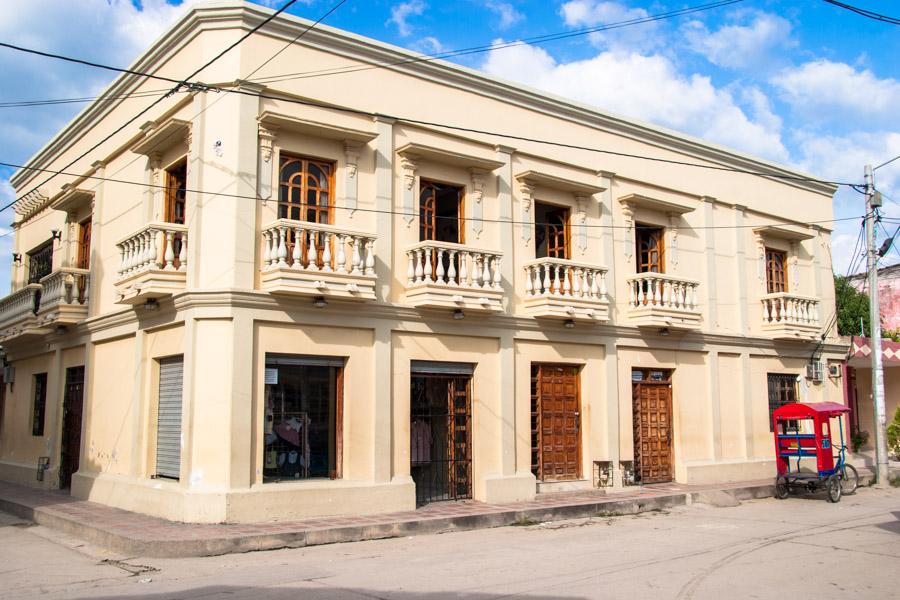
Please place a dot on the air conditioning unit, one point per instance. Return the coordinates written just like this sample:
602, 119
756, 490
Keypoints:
814, 372
9, 374
834, 370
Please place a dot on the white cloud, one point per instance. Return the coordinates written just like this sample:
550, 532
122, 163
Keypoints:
649, 88
593, 13
401, 12
509, 16
741, 46
823, 90
842, 157
430, 45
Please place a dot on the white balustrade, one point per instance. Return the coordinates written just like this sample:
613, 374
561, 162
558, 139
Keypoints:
65, 286
152, 247
314, 247
448, 264
19, 305
790, 309
658, 290
564, 279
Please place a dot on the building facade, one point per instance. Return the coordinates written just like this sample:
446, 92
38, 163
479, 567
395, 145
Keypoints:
314, 295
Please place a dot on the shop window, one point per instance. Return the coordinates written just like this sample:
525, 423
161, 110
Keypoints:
40, 262
782, 390
302, 418
305, 189
440, 212
551, 231
40, 404
650, 250
776, 271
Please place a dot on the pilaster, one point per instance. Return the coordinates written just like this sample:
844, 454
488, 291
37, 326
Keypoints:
384, 204
712, 297
740, 234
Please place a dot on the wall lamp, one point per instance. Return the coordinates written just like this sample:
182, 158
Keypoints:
57, 234
569, 324
458, 314
151, 304
17, 258
664, 331
320, 302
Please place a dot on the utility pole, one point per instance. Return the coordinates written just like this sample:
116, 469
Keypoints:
881, 457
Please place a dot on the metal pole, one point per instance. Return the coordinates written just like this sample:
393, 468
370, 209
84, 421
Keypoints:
881, 457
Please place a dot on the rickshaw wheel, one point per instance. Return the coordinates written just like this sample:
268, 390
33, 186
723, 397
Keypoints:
849, 480
781, 487
833, 487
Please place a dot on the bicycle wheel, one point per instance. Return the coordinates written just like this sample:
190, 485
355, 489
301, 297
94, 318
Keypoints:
781, 487
833, 487
849, 479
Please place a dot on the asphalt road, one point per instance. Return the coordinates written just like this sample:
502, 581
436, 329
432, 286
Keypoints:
802, 547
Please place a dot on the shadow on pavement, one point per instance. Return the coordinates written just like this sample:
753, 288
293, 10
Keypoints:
330, 593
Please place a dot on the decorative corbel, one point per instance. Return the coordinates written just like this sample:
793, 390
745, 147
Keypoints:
155, 193
71, 241
628, 213
794, 266
265, 163
479, 177
672, 250
351, 181
581, 204
761, 255
526, 195
409, 168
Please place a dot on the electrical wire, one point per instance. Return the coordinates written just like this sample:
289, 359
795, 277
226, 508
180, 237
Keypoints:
865, 13
419, 59
400, 213
887, 162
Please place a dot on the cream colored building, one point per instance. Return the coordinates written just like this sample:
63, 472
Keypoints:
313, 295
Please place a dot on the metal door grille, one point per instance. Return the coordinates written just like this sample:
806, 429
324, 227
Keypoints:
441, 437
168, 427
70, 449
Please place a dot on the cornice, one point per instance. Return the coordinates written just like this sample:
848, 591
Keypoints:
235, 14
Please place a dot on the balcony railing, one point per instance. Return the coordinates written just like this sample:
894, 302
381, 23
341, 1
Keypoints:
64, 296
312, 259
664, 301
17, 311
559, 288
447, 275
153, 263
789, 316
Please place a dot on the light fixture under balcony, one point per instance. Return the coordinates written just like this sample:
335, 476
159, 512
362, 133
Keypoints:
320, 302
57, 234
459, 314
664, 331
569, 324
151, 304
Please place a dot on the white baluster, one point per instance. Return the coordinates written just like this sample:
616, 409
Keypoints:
486, 276
355, 258
182, 254
547, 283
419, 271
464, 271
326, 252
603, 290
766, 310
566, 284
342, 258
537, 283
282, 246
576, 274
312, 252
267, 250
639, 285
370, 256
439, 267
529, 285
411, 268
428, 266
451, 272
170, 250
498, 275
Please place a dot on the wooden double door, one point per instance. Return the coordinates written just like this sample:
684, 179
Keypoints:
555, 423
73, 405
652, 420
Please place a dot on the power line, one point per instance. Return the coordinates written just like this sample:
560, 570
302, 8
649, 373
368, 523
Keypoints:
865, 13
382, 211
886, 163
424, 58
161, 98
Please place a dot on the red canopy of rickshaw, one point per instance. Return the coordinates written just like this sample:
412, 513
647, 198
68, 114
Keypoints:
800, 411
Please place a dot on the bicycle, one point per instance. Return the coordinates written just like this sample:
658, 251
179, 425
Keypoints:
847, 472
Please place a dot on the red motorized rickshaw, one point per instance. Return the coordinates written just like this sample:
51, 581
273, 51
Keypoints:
805, 431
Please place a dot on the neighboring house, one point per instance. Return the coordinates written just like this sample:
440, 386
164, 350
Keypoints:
858, 385
301, 309
888, 294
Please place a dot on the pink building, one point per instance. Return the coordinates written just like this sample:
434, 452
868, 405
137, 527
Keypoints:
888, 294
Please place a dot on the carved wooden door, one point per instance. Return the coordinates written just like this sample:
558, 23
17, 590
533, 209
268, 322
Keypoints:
557, 423
653, 431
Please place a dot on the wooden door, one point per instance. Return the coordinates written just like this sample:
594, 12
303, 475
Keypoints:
653, 431
460, 433
556, 433
73, 404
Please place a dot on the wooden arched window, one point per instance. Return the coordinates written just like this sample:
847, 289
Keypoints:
305, 190
776, 271
440, 212
551, 231
650, 249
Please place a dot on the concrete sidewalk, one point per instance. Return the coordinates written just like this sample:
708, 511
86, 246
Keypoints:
135, 534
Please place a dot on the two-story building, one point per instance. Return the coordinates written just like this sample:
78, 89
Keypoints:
357, 281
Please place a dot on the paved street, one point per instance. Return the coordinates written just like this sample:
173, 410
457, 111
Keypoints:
803, 547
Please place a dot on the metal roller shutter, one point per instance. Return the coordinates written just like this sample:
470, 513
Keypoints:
168, 427
427, 367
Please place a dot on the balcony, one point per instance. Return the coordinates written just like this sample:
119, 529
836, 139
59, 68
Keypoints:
153, 263
447, 275
790, 317
64, 297
311, 259
563, 289
663, 301
17, 312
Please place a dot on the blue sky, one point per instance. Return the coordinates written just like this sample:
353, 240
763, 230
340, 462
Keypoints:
803, 83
